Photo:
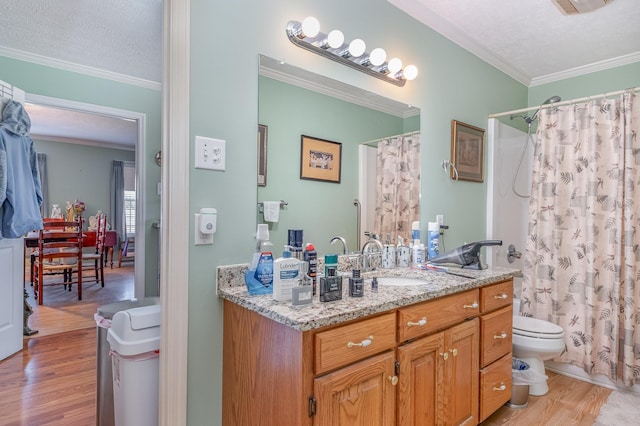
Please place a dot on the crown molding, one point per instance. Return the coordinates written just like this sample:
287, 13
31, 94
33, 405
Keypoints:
587, 69
77, 68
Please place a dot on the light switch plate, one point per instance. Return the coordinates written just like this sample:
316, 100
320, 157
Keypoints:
210, 153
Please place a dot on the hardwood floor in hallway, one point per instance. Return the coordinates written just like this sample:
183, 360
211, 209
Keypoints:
52, 381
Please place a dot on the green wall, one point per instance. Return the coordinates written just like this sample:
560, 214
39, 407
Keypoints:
453, 84
80, 172
323, 210
46, 81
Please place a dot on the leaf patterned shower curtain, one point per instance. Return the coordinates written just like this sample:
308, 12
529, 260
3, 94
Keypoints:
582, 259
398, 186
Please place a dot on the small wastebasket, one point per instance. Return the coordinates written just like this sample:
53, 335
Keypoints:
104, 379
134, 338
520, 385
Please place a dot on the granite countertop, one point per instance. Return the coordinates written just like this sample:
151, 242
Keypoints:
231, 287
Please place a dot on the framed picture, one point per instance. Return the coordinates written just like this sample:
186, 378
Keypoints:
467, 152
320, 159
262, 155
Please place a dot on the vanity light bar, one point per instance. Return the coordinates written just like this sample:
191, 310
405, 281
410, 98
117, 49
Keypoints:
307, 35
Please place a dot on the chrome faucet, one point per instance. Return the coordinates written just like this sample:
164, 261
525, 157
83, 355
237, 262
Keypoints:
345, 250
366, 252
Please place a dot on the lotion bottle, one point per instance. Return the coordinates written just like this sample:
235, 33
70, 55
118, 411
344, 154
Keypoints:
286, 271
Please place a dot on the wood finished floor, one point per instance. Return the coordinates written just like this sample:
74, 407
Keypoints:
52, 381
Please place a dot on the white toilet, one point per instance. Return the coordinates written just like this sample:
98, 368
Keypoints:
535, 341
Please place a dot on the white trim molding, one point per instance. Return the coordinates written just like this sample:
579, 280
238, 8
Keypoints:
174, 245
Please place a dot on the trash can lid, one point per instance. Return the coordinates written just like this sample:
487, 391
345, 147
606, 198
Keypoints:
108, 311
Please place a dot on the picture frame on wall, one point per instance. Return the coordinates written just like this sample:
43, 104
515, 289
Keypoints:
320, 159
467, 152
262, 154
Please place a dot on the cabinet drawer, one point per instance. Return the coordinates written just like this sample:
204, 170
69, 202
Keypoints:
495, 335
495, 386
424, 318
496, 296
352, 342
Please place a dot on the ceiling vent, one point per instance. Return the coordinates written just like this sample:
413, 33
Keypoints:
573, 7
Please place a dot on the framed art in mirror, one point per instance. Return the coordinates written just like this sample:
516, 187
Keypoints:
467, 151
320, 159
262, 155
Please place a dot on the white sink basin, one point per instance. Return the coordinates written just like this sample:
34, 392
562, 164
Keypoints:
401, 281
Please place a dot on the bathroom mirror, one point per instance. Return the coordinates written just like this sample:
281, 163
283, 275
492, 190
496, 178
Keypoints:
293, 103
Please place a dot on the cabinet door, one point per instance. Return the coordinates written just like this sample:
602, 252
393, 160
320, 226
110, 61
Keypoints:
461, 374
421, 384
362, 394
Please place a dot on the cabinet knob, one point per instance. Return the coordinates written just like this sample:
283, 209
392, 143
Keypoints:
454, 352
365, 342
500, 388
500, 297
422, 322
474, 305
393, 380
502, 335
445, 355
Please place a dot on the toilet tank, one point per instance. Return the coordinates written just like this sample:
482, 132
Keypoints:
516, 306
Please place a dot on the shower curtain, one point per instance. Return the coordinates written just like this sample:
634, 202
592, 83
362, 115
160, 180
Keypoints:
398, 186
583, 251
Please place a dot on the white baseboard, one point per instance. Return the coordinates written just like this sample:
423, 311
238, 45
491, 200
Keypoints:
596, 379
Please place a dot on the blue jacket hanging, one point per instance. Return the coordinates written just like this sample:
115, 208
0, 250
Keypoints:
20, 191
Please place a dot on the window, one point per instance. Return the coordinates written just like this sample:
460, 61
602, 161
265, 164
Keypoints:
129, 171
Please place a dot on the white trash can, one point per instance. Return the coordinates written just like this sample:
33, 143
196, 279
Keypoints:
134, 338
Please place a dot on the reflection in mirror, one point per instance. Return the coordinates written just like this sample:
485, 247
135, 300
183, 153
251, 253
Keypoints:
294, 102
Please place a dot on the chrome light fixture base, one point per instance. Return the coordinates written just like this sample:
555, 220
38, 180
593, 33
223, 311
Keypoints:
319, 45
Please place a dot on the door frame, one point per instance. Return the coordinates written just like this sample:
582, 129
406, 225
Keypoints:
140, 119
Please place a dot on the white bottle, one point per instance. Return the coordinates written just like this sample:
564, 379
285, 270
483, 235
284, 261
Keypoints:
286, 271
417, 252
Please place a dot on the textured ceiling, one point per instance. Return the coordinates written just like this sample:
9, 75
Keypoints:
531, 40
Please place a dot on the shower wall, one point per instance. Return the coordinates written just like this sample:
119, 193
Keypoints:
506, 212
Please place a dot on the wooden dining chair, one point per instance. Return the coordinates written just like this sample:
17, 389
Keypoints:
95, 260
59, 254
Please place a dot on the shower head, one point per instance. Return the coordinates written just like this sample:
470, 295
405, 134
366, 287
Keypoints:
552, 100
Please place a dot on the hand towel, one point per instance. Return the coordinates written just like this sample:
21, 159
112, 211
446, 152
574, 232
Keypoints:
271, 211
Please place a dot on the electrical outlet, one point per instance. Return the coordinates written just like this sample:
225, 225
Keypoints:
440, 219
210, 153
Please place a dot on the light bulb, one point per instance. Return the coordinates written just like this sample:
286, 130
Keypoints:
335, 39
377, 57
310, 26
394, 65
357, 48
410, 72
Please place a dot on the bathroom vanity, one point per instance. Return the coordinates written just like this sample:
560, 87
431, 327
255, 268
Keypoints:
425, 354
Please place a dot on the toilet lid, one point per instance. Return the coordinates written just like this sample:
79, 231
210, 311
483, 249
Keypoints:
533, 327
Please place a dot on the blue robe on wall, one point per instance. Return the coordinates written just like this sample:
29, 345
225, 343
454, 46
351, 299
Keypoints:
20, 190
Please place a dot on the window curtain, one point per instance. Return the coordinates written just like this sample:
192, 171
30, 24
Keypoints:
116, 204
582, 262
398, 186
44, 183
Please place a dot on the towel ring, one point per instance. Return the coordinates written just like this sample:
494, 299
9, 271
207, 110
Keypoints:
448, 166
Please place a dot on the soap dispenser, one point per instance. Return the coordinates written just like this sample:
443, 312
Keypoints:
286, 270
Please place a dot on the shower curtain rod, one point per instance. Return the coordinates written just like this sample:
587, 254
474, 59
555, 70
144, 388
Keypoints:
389, 137
569, 102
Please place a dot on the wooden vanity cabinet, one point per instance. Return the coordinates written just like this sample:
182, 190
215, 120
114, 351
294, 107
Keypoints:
438, 380
496, 304
415, 365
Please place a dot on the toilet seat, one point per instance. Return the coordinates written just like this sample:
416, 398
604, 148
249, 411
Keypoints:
533, 327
